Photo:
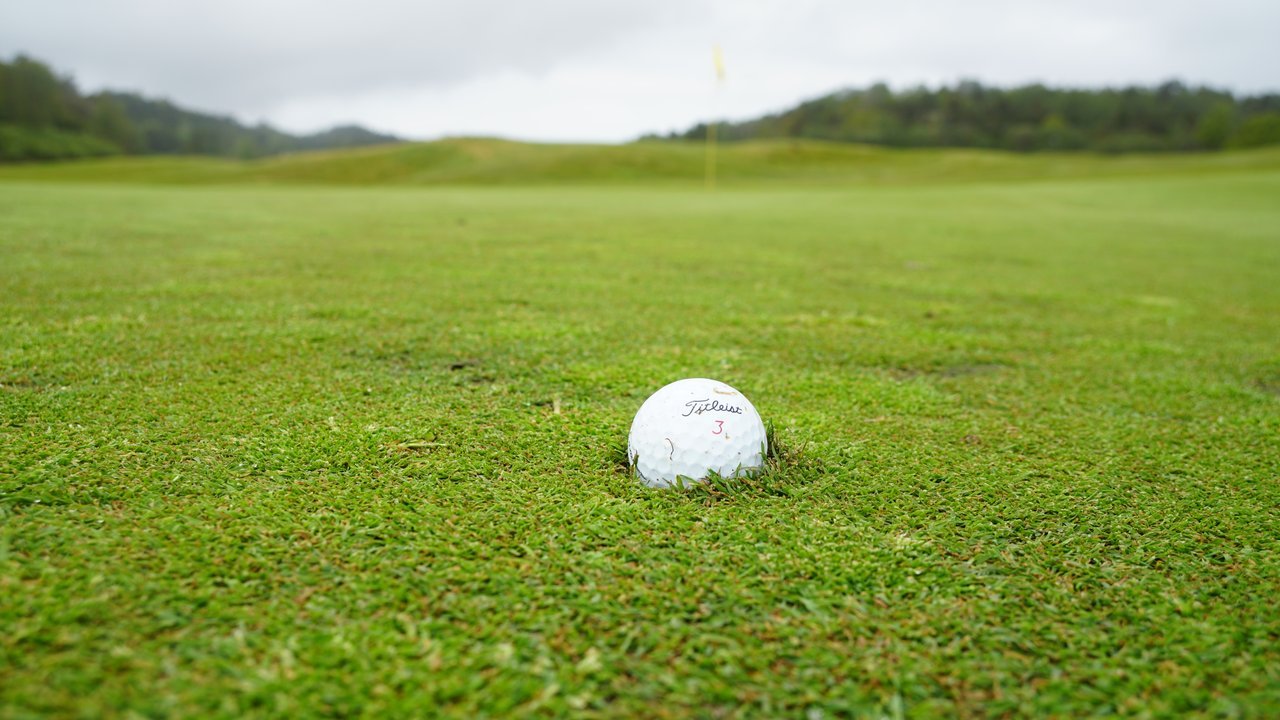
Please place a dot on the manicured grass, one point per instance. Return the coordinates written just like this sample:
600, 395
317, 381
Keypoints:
294, 451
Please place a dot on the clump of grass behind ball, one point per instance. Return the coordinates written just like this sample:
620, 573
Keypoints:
778, 477
618, 458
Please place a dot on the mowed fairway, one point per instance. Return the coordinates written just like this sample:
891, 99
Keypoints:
293, 451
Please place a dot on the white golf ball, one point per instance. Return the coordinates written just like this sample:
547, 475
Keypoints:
692, 428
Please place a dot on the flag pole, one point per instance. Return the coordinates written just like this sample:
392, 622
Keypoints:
713, 123
711, 155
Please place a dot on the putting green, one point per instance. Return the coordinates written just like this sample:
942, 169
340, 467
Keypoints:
282, 450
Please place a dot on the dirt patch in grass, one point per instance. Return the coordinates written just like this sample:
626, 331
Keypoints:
1268, 383
948, 372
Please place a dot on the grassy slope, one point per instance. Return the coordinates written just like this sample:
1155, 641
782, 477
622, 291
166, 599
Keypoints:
265, 449
498, 162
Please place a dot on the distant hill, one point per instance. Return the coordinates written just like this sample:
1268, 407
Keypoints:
45, 117
165, 129
1169, 117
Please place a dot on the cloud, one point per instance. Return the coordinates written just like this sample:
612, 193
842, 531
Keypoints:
248, 54
610, 70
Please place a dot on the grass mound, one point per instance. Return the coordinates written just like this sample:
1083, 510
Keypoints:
489, 162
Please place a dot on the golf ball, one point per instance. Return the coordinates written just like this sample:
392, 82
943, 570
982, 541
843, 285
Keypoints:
694, 427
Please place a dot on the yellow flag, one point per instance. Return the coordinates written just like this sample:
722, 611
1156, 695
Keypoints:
719, 60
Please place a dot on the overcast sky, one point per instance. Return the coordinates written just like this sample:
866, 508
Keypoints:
612, 70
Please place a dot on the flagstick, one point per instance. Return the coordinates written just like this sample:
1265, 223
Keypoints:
711, 155
714, 123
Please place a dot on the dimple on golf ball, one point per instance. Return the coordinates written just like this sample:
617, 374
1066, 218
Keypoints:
692, 428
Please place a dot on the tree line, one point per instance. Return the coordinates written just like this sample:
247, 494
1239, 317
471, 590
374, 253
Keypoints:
1168, 117
43, 116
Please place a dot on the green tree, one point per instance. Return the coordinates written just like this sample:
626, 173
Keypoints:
1168, 117
1257, 131
109, 122
1056, 134
1215, 126
32, 95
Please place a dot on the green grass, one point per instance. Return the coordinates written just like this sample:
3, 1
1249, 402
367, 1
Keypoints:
763, 164
292, 451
